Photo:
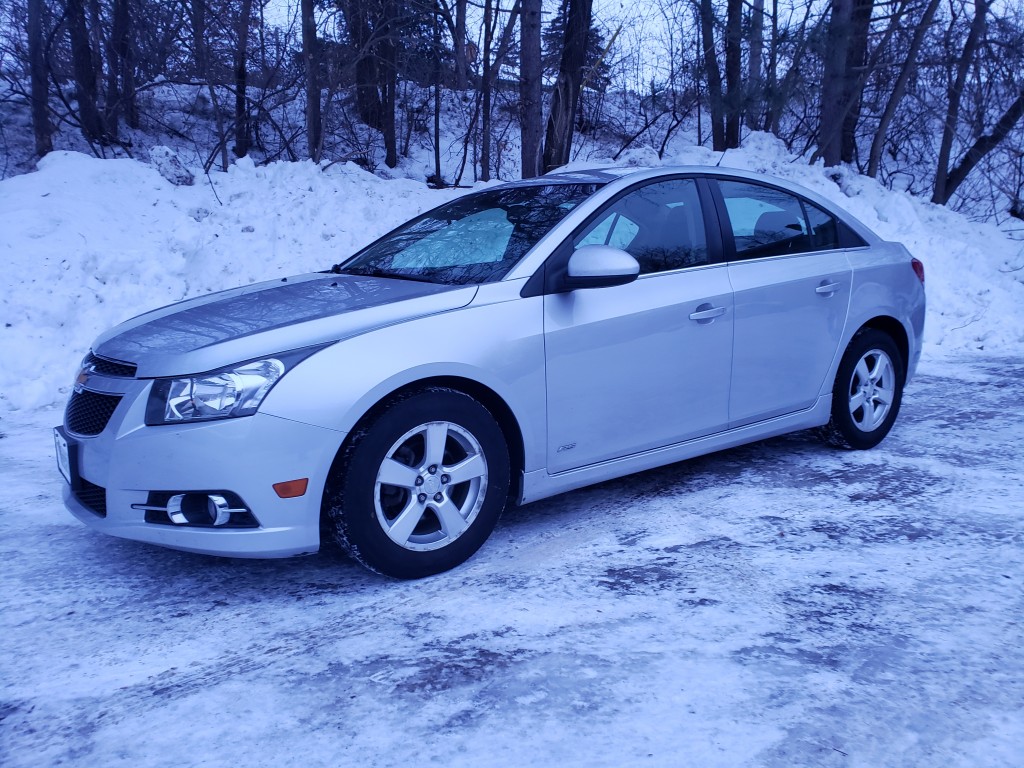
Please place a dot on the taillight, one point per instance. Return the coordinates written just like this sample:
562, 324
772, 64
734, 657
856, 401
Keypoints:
918, 267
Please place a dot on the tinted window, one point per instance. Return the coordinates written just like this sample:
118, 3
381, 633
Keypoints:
660, 225
770, 222
475, 239
824, 231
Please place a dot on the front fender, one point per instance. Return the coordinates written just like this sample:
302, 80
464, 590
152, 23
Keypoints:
497, 341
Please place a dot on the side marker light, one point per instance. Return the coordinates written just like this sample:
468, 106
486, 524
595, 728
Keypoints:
291, 489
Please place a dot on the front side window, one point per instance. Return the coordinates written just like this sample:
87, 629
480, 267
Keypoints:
475, 239
660, 225
766, 221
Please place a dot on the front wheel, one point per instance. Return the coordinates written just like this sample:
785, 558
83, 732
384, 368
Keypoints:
867, 393
420, 486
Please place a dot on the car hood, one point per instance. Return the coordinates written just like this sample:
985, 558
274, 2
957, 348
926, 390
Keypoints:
231, 326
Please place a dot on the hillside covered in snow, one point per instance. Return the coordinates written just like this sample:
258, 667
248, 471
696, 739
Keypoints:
88, 243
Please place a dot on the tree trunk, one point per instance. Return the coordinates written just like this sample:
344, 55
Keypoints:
565, 97
242, 140
733, 73
438, 179
310, 55
955, 94
89, 116
387, 47
369, 78
41, 126
714, 75
202, 62
197, 16
459, 43
900, 88
531, 96
855, 76
118, 31
833, 83
485, 92
755, 86
773, 112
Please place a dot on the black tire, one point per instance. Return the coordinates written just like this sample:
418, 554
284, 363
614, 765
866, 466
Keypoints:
863, 427
408, 529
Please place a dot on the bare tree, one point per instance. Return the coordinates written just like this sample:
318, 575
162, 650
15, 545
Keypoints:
755, 86
120, 98
955, 93
565, 97
843, 78
713, 74
311, 60
242, 134
90, 118
733, 73
491, 67
981, 147
42, 129
899, 88
531, 72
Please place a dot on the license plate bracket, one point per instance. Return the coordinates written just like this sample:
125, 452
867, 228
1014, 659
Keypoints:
66, 450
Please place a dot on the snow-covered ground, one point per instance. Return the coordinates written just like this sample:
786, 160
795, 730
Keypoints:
782, 604
776, 605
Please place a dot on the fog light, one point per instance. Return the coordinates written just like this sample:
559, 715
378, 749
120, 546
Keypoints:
200, 509
203, 509
219, 509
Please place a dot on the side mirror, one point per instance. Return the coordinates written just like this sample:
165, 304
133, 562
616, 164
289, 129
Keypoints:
600, 266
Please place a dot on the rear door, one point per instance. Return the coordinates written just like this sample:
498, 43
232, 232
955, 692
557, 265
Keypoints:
791, 287
639, 366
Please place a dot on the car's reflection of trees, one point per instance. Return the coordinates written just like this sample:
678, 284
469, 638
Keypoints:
259, 310
458, 255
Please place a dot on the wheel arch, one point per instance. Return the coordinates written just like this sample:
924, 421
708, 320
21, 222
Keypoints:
483, 394
894, 329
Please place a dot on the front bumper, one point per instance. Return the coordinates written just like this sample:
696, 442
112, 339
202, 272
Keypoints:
245, 456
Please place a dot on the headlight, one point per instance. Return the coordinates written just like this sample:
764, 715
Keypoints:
223, 394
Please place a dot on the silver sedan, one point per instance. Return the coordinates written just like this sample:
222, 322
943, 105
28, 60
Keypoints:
513, 344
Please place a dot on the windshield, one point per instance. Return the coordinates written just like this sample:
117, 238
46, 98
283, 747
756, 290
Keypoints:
475, 239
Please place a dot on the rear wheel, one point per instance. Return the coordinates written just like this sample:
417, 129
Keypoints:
868, 391
419, 488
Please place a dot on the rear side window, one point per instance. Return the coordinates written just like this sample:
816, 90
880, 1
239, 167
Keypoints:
766, 221
823, 228
660, 225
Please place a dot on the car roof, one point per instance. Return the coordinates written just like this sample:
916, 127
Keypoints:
621, 176
609, 173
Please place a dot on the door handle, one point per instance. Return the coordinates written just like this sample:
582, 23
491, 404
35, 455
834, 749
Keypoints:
706, 313
827, 289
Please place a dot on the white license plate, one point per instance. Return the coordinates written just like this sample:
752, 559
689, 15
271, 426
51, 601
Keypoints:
63, 455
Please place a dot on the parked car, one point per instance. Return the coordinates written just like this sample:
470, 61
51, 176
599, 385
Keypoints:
513, 344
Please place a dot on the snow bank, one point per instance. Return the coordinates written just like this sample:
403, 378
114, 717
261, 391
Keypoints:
87, 243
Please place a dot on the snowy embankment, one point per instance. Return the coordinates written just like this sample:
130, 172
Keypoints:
87, 243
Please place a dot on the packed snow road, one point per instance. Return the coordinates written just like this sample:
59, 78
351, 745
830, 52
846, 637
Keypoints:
781, 604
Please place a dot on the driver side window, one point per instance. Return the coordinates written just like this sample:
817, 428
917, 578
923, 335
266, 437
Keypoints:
660, 225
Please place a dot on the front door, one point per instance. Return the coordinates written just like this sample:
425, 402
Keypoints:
643, 365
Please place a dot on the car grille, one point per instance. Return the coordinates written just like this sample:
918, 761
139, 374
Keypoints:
108, 367
93, 497
88, 412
